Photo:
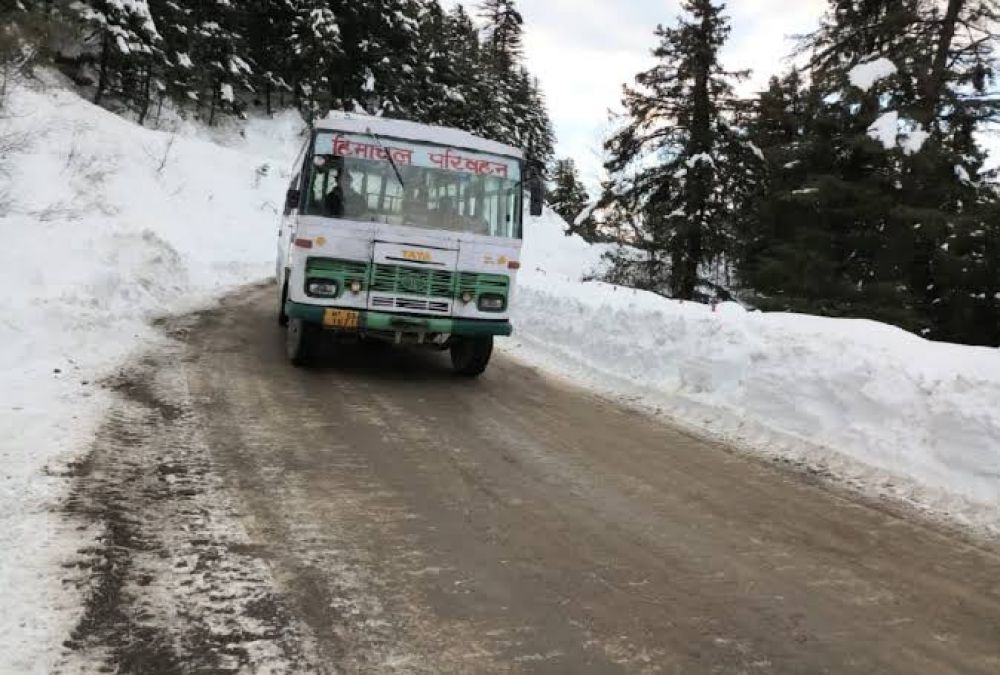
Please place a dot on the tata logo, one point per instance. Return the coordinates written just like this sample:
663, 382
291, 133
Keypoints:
418, 256
411, 284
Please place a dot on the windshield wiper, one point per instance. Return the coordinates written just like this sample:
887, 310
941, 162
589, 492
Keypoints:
388, 156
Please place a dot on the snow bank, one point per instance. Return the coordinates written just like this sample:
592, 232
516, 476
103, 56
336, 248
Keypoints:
105, 225
908, 417
549, 253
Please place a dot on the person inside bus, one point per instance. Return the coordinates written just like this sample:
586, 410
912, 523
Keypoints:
343, 201
447, 214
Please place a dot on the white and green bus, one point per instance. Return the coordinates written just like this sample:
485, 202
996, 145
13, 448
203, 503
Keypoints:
402, 233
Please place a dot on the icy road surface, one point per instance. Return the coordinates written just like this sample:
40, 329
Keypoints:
377, 515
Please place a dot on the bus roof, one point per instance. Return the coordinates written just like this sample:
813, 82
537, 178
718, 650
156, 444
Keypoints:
354, 123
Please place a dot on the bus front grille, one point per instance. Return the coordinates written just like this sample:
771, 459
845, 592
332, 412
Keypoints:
399, 280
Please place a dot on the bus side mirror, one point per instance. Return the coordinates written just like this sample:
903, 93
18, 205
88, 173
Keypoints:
292, 200
536, 187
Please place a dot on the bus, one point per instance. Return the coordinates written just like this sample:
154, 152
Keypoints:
402, 233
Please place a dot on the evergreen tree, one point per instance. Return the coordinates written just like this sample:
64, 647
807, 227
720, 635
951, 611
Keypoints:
567, 195
402, 58
453, 90
503, 33
268, 29
469, 96
517, 112
673, 160
901, 219
126, 39
221, 55
376, 65
177, 69
786, 250
315, 48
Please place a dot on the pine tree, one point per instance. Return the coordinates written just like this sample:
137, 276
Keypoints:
518, 114
126, 38
315, 48
451, 88
268, 30
787, 235
567, 196
221, 55
503, 33
177, 70
375, 66
469, 98
671, 161
904, 211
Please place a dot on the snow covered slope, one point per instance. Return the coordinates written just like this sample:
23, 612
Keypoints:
105, 225
903, 416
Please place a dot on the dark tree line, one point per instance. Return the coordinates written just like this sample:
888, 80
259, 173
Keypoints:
400, 58
828, 192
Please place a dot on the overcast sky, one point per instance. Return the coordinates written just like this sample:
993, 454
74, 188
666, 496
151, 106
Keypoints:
583, 51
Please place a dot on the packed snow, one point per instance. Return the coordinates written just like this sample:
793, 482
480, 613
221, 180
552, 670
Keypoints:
110, 225
864, 76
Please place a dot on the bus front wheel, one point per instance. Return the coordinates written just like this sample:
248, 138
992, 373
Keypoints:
471, 355
301, 341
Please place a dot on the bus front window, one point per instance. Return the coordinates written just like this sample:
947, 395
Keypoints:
436, 188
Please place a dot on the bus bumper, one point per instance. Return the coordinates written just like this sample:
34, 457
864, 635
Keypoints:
404, 323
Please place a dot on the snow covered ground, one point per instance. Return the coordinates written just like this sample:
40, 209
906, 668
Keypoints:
893, 414
107, 225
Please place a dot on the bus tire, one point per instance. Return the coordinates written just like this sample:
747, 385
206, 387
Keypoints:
301, 341
471, 355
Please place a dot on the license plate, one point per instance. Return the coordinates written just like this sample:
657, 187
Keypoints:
340, 318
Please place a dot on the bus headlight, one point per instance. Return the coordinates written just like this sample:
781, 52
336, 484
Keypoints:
491, 302
467, 297
355, 287
322, 288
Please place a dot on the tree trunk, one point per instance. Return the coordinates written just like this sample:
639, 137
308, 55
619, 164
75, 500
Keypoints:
700, 176
102, 78
144, 109
937, 76
211, 110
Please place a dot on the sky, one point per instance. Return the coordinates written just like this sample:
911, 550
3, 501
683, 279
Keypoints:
583, 51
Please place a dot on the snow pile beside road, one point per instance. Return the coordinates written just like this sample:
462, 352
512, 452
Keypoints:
913, 418
105, 226
549, 253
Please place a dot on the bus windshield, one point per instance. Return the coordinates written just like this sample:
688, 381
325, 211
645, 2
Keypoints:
436, 188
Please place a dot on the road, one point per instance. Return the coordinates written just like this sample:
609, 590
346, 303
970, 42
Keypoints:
378, 515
